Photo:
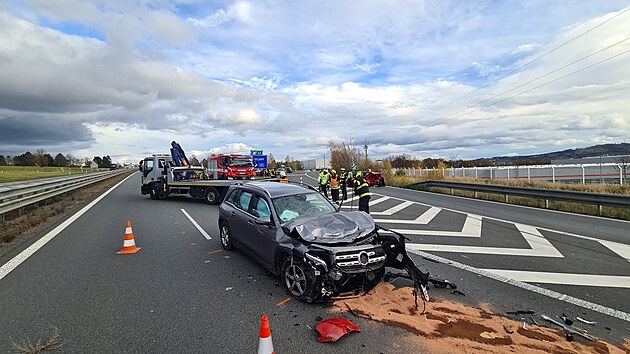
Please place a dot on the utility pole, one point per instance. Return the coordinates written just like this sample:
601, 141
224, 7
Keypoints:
365, 146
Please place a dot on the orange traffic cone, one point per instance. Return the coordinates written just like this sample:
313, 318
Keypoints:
129, 245
265, 345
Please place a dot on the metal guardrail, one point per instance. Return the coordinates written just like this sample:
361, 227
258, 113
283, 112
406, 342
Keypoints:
546, 194
17, 195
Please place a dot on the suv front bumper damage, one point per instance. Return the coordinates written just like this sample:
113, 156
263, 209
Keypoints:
350, 270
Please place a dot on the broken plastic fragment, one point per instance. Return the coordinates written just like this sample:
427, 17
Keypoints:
521, 312
585, 321
331, 329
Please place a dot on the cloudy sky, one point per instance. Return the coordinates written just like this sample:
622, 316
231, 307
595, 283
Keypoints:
425, 78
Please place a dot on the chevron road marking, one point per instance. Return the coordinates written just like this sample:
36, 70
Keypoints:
537, 289
393, 209
472, 228
609, 281
352, 199
540, 246
423, 219
619, 248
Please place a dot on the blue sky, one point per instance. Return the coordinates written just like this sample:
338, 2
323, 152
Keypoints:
125, 78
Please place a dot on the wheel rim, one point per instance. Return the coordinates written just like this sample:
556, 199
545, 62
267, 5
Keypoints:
225, 235
295, 280
210, 197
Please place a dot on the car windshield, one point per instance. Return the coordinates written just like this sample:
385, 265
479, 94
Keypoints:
295, 206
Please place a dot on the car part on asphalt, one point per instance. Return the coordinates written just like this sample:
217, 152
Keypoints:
568, 329
331, 329
586, 321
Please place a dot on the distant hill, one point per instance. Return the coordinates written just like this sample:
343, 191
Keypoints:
591, 151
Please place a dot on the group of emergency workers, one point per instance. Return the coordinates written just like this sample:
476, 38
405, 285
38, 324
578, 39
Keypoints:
341, 181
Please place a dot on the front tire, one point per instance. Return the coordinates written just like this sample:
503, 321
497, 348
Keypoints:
225, 236
154, 193
298, 279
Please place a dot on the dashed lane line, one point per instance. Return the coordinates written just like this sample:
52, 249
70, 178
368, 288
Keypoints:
203, 232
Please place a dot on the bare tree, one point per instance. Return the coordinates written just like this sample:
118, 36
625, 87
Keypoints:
40, 158
344, 153
624, 162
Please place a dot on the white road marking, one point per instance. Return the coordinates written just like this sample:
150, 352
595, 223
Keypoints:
356, 198
17, 260
423, 219
203, 232
540, 246
549, 293
393, 209
608, 281
619, 248
428, 215
472, 228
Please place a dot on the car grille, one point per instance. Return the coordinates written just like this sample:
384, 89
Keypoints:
370, 258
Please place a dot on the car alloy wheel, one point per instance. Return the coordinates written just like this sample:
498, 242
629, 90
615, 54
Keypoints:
295, 279
226, 240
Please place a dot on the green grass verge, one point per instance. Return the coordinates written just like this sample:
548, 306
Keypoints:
24, 173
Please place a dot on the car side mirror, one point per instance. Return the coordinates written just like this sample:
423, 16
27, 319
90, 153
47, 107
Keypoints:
140, 167
263, 221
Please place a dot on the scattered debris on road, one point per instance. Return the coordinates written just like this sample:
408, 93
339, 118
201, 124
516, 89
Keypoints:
521, 312
451, 327
586, 321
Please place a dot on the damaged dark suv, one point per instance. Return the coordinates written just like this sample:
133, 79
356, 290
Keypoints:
317, 251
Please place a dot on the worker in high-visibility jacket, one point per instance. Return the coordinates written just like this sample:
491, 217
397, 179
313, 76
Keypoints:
322, 179
362, 189
343, 183
334, 185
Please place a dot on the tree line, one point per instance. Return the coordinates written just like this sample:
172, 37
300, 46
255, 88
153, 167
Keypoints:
42, 159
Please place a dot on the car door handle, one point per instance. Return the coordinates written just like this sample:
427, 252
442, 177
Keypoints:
250, 222
232, 213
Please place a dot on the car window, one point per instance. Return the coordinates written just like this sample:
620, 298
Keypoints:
233, 197
261, 208
243, 200
301, 205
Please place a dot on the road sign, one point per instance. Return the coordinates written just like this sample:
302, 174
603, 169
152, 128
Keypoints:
353, 166
260, 162
256, 153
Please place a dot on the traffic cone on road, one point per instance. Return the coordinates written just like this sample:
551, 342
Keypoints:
265, 345
129, 245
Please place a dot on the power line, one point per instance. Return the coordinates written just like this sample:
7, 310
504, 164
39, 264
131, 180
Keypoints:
515, 70
551, 81
535, 79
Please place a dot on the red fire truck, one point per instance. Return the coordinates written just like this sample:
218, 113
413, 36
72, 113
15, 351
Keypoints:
231, 166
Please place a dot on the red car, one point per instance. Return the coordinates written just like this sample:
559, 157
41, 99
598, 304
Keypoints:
375, 179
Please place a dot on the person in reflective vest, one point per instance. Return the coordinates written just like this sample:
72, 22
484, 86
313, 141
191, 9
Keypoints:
362, 189
334, 185
342, 183
323, 182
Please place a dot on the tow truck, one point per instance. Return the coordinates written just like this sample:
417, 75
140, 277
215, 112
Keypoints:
163, 175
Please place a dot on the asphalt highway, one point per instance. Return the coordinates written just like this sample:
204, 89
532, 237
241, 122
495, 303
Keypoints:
182, 293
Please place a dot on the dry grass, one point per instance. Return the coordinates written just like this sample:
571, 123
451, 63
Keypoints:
611, 212
53, 342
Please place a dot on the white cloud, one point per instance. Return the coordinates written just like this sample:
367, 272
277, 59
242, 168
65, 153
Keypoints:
291, 76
